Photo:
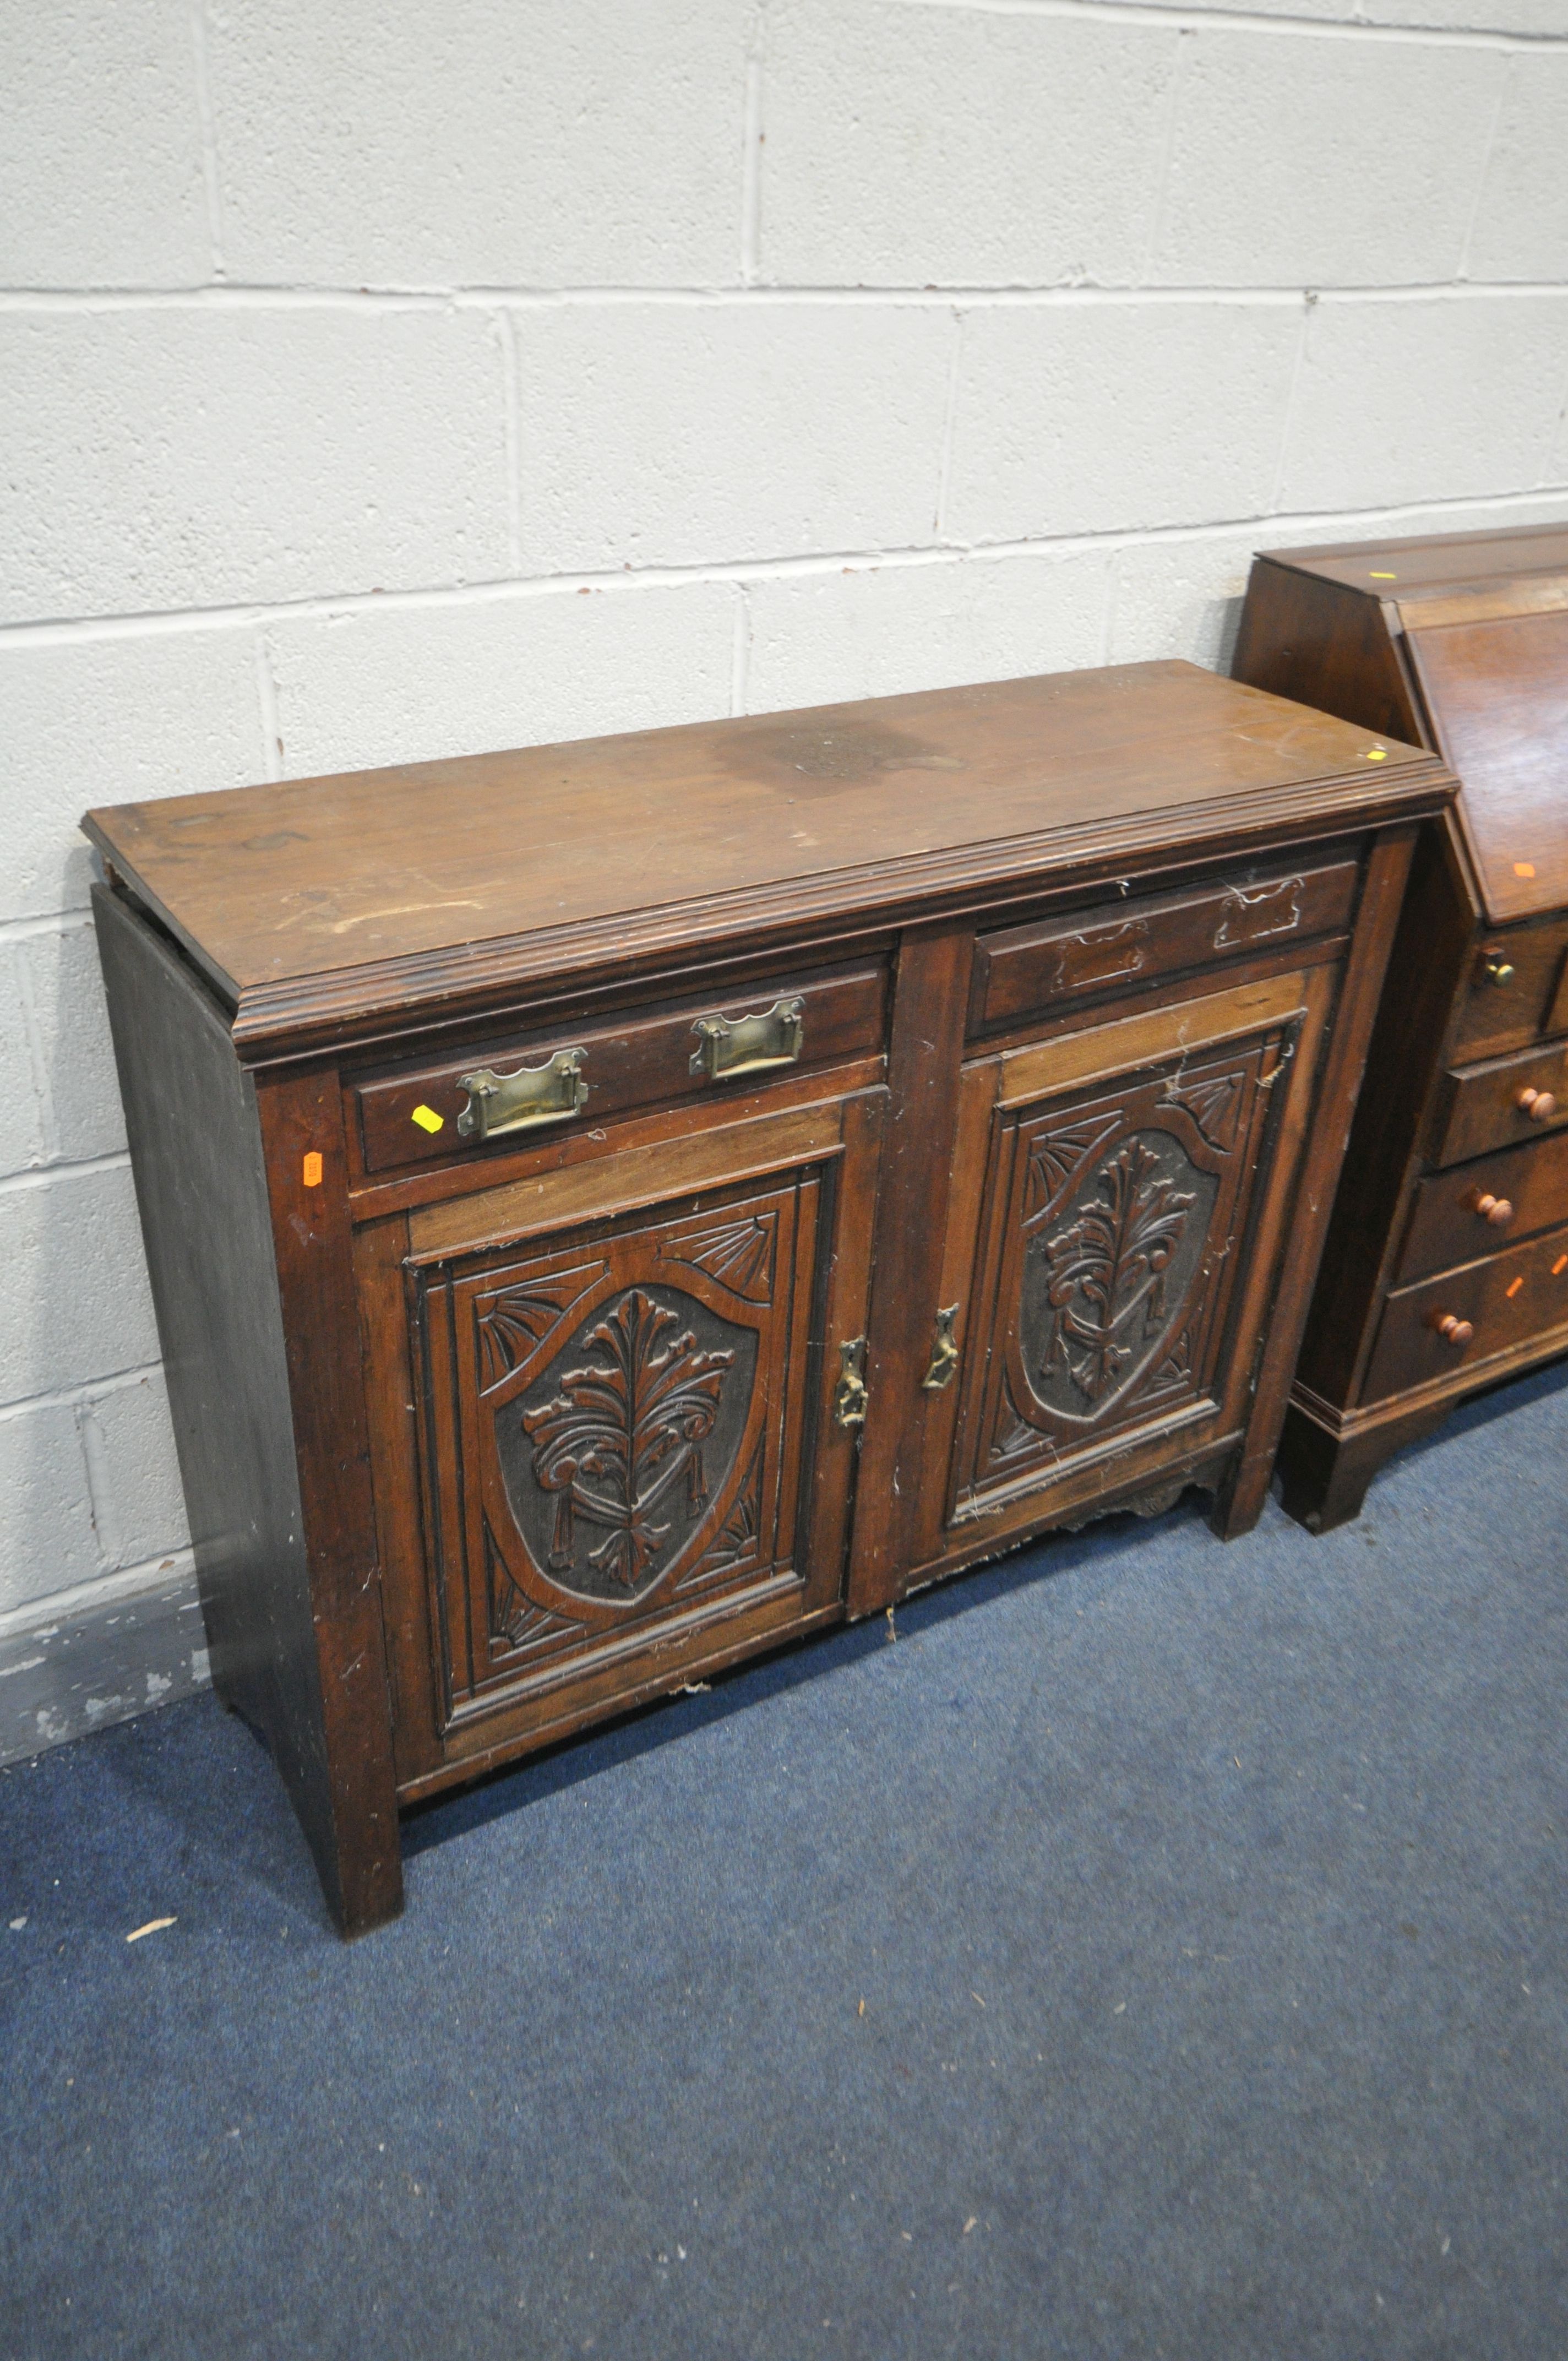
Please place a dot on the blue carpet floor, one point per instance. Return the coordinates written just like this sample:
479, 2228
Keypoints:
1155, 1952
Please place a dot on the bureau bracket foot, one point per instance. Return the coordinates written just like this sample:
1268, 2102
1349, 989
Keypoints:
1324, 1472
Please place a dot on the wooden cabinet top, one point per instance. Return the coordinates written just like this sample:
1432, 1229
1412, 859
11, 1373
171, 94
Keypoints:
1481, 620
1424, 568
321, 906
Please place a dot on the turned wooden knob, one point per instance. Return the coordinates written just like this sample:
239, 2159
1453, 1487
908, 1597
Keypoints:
1496, 1210
1539, 1105
1452, 1330
1499, 971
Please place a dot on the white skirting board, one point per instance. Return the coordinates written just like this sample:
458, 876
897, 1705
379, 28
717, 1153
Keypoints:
104, 1662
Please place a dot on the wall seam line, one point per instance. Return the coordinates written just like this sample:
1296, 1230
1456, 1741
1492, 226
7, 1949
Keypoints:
676, 574
206, 116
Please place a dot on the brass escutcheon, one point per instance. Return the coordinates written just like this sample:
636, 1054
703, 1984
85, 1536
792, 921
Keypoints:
850, 1396
944, 1353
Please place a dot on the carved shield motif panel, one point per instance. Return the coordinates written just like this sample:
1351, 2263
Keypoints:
1106, 1261
1105, 1291
608, 1431
612, 1455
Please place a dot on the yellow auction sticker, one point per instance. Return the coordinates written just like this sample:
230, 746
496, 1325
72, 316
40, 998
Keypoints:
427, 1119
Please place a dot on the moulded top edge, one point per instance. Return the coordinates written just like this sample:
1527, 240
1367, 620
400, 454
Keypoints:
354, 1006
287, 893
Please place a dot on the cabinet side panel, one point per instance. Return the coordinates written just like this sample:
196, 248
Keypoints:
1425, 969
200, 1188
1324, 646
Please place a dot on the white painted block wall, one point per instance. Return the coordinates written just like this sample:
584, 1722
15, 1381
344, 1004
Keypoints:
401, 377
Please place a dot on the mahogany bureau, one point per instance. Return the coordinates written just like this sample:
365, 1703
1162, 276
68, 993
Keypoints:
615, 1207
1447, 1267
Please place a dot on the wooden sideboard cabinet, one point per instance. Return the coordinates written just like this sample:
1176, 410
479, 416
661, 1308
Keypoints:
615, 1207
1447, 1267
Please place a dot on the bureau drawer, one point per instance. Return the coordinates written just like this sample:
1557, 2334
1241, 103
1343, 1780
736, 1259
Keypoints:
1501, 1103
579, 1073
1518, 989
1022, 971
1468, 1315
1477, 1208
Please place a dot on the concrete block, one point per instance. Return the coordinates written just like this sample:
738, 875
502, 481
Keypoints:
70, 1025
920, 146
1095, 417
101, 181
1292, 166
1184, 598
76, 1303
409, 684
874, 631
201, 457
47, 1537
22, 1138
675, 433
1521, 222
135, 1476
109, 722
529, 145
1425, 400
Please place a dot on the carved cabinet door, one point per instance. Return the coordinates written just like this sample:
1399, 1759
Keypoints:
1105, 1314
623, 1423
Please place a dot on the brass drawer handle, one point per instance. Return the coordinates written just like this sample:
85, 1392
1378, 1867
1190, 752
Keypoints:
944, 1353
749, 1045
534, 1094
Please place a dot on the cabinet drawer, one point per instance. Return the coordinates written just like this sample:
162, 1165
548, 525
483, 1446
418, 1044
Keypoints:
1021, 970
1489, 1106
588, 1072
1480, 1207
1518, 1294
1518, 989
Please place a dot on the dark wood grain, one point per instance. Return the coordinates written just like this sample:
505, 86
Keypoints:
927, 1044
1514, 988
645, 1061
287, 1583
1449, 1222
1482, 1107
1506, 1299
574, 1418
301, 1118
1461, 641
1297, 639
1498, 694
334, 897
1241, 1500
1024, 971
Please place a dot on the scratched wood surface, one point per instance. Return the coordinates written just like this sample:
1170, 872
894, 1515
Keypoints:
274, 885
1461, 641
583, 1413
